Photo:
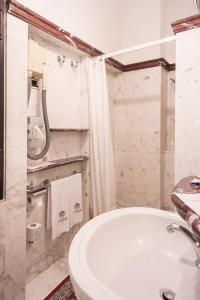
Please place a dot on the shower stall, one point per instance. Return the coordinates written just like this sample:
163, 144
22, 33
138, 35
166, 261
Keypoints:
142, 118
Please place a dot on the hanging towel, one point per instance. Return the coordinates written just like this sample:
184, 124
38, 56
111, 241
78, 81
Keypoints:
59, 207
75, 198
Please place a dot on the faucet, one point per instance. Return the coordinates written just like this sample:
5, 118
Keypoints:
190, 236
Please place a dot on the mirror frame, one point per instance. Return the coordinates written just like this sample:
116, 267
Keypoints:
3, 19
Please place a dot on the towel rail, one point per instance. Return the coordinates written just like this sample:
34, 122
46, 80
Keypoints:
40, 188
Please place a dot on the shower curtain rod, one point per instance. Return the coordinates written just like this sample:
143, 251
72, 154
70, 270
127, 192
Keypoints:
139, 47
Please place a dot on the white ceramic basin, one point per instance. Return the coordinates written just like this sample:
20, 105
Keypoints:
128, 254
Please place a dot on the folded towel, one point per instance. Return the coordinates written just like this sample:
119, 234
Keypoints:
75, 198
64, 204
59, 207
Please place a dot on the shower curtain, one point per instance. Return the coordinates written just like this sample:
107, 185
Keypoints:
103, 196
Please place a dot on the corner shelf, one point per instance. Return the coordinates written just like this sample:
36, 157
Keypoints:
57, 163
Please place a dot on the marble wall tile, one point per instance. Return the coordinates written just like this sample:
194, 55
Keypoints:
110, 77
167, 139
67, 99
137, 135
13, 210
137, 199
15, 246
171, 112
168, 181
138, 178
163, 112
187, 142
43, 252
3, 217
142, 114
64, 145
137, 107
10, 290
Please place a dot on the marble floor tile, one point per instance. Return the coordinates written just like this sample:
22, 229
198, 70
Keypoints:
42, 285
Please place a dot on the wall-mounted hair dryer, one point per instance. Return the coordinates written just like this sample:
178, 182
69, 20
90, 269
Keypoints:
35, 126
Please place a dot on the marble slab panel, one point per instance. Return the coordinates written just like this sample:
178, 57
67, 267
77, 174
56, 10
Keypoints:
168, 180
137, 111
138, 179
187, 142
43, 252
13, 210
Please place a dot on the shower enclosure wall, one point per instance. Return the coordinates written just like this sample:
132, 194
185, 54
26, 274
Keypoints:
142, 112
67, 104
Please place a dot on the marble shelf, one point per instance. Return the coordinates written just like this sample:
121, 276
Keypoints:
68, 129
57, 163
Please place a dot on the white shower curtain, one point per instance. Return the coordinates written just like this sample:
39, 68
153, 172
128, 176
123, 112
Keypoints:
103, 196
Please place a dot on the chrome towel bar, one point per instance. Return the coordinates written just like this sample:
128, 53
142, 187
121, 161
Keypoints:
37, 189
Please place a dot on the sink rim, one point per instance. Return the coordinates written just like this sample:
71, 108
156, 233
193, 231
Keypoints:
79, 270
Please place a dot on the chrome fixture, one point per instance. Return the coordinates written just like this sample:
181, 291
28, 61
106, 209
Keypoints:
61, 60
35, 189
189, 235
167, 294
74, 65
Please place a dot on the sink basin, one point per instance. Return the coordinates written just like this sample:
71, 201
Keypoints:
128, 254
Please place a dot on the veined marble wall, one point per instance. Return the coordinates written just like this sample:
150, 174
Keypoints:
110, 77
187, 141
43, 252
142, 117
67, 92
13, 210
137, 137
168, 149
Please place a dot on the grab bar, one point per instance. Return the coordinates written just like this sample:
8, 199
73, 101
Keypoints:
38, 189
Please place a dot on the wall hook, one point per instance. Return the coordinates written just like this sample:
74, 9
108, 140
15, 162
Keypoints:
74, 64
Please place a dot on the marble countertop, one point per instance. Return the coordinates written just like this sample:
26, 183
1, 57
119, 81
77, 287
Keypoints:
186, 212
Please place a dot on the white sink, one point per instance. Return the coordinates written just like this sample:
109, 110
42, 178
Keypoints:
128, 254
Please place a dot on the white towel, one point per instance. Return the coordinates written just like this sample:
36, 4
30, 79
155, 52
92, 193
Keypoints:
59, 207
75, 198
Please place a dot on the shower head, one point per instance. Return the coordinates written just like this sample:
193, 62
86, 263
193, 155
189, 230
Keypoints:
197, 4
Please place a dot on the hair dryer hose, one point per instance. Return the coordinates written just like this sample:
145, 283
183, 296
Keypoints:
47, 130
